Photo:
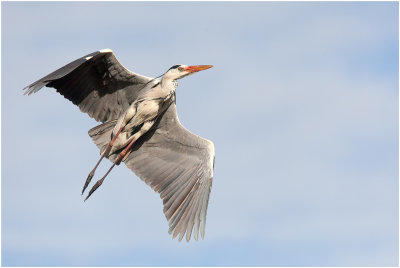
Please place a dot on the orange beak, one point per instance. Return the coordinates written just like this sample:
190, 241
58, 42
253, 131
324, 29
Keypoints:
196, 68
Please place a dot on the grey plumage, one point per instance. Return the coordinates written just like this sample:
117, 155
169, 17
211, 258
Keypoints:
171, 160
97, 83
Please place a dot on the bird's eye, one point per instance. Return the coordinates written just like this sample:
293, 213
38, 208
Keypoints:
180, 69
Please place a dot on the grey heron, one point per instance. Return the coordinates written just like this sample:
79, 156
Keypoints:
140, 127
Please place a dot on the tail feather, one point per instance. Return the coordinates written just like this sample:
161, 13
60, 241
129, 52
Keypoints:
102, 134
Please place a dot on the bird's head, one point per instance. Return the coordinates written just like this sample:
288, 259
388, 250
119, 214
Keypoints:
179, 71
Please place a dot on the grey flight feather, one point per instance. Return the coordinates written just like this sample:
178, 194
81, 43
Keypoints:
97, 83
175, 163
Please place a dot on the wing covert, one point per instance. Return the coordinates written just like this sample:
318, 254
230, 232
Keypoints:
97, 83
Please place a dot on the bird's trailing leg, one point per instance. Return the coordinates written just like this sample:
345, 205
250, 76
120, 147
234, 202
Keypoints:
116, 162
105, 153
125, 152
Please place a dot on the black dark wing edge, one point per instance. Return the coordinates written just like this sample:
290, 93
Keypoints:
97, 83
179, 166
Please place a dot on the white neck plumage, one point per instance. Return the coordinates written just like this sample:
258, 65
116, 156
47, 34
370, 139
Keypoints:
169, 84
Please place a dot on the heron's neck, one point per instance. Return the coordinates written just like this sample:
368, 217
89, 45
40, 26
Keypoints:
168, 84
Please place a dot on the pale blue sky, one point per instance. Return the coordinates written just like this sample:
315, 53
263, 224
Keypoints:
302, 106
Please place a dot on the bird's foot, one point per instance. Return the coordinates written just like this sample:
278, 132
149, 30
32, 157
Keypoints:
89, 178
94, 188
99, 182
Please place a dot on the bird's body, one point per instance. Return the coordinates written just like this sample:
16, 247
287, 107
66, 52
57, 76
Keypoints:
153, 101
140, 127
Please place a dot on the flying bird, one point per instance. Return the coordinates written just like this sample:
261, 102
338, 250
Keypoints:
140, 127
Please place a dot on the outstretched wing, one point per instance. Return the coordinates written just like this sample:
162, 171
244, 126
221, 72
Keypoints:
178, 165
97, 83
